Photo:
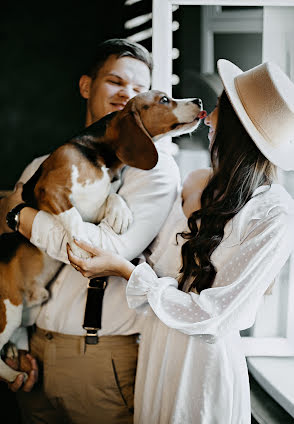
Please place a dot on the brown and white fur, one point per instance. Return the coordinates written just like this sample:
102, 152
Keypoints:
73, 184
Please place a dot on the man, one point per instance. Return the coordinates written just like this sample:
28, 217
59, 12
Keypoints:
93, 384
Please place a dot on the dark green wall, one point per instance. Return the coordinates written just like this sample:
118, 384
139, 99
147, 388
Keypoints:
43, 47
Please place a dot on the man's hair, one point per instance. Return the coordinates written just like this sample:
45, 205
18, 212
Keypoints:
120, 48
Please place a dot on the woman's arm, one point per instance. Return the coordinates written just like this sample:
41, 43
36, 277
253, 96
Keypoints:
193, 187
232, 302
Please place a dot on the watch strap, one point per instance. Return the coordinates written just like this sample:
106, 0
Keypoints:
12, 218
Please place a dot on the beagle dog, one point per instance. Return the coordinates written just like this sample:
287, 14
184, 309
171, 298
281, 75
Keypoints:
73, 184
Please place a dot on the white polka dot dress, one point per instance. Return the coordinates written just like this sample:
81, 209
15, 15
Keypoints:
191, 367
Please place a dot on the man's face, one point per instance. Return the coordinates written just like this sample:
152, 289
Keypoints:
117, 81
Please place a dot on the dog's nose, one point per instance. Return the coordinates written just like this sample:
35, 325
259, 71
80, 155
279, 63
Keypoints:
197, 102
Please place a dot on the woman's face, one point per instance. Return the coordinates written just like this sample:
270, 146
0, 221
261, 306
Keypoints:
211, 122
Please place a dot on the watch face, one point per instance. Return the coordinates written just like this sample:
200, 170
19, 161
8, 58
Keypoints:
11, 220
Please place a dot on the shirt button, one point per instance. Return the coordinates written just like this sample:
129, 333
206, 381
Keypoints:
49, 336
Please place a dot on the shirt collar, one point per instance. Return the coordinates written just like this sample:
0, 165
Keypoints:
165, 145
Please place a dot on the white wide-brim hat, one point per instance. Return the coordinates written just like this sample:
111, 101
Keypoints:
263, 99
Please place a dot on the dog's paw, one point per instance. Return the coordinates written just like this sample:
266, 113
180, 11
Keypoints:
11, 351
117, 213
36, 296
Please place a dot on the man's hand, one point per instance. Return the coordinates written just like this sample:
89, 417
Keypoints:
24, 362
8, 203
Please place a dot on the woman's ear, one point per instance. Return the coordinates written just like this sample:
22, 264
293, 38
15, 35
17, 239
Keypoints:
85, 86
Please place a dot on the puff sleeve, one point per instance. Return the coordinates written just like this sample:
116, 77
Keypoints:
248, 269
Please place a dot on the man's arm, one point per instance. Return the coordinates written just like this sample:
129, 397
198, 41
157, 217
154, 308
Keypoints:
24, 361
8, 203
149, 195
27, 215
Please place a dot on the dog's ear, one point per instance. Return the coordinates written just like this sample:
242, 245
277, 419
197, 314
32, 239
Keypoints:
135, 146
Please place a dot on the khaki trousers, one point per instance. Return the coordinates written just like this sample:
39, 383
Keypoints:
81, 386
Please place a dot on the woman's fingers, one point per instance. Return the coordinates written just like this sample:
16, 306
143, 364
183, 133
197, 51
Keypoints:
88, 248
81, 265
74, 260
101, 264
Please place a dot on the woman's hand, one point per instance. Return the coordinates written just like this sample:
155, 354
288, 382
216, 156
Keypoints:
101, 264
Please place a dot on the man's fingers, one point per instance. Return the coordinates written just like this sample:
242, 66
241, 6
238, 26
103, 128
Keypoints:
29, 384
18, 186
16, 385
33, 374
34, 364
27, 363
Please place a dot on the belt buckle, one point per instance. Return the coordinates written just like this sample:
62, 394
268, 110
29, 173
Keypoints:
97, 283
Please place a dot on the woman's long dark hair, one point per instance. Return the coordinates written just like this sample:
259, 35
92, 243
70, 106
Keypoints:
238, 169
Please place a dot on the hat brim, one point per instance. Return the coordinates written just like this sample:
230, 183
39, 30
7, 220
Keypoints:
282, 156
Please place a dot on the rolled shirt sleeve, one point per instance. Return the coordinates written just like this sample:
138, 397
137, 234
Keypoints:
248, 269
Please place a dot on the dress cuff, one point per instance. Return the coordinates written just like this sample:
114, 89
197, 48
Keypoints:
142, 279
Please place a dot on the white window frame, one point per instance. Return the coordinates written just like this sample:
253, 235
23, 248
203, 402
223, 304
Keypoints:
215, 20
162, 80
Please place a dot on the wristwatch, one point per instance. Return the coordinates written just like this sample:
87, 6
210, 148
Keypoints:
12, 218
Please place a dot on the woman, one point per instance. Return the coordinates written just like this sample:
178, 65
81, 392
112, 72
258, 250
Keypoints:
240, 233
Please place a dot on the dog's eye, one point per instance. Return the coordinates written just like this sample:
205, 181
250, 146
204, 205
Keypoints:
164, 100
